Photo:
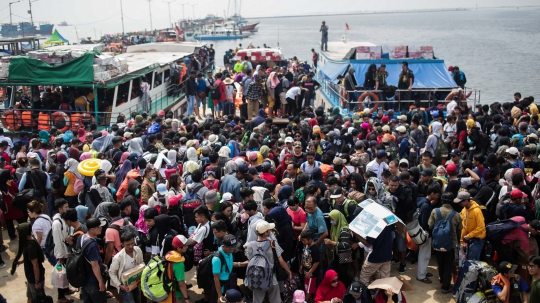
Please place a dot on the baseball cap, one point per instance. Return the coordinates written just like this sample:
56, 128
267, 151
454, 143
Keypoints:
401, 129
512, 151
386, 128
266, 166
381, 153
161, 113
162, 189
385, 119
263, 226
532, 136
174, 200
253, 171
427, 172
462, 196
230, 241
402, 117
505, 267
128, 135
289, 140
535, 224
226, 197
338, 161
179, 241
211, 196
355, 289
455, 152
517, 194
253, 156
336, 192
451, 169
95, 222
231, 296
299, 296
404, 161
242, 168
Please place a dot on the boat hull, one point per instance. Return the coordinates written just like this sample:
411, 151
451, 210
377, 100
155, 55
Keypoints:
218, 37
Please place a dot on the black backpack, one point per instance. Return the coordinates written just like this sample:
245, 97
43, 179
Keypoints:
127, 228
75, 269
214, 90
49, 241
204, 270
497, 230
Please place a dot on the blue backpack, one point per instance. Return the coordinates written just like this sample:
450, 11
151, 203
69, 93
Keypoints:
442, 232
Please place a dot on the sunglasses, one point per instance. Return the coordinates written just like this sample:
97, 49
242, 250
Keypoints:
335, 281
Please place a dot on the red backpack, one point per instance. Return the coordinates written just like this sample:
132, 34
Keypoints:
214, 185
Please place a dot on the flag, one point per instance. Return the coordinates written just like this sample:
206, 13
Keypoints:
347, 26
178, 30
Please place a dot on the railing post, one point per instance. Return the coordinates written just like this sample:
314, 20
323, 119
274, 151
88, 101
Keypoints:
96, 105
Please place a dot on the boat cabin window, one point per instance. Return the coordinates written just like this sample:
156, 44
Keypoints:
148, 77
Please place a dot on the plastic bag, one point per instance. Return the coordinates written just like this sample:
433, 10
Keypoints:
59, 277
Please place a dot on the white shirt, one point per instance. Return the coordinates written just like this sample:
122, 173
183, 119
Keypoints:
449, 129
308, 169
377, 168
201, 232
293, 92
130, 263
42, 224
9, 142
450, 108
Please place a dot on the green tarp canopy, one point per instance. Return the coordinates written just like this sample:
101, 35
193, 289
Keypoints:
56, 39
26, 71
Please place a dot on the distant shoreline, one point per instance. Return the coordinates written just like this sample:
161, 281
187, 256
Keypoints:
458, 9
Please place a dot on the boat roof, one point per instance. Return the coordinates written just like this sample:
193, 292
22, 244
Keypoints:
341, 50
82, 47
141, 61
165, 47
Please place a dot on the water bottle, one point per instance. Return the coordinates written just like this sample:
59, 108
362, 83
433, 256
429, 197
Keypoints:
191, 230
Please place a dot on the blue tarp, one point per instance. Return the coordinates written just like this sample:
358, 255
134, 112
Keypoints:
427, 73
331, 70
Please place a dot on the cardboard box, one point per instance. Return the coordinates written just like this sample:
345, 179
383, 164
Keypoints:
132, 277
77, 54
102, 76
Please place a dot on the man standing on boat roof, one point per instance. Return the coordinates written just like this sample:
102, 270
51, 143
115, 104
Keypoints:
406, 80
324, 36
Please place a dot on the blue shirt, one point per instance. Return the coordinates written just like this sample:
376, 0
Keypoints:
91, 253
231, 184
317, 225
382, 246
223, 270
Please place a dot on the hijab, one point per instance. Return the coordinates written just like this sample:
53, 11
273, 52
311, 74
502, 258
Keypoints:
326, 292
191, 154
71, 166
190, 167
121, 174
124, 157
280, 216
25, 231
61, 157
85, 155
5, 176
106, 166
379, 189
224, 152
171, 155
335, 230
135, 146
81, 213
284, 193
230, 167
102, 210
74, 153
141, 224
273, 79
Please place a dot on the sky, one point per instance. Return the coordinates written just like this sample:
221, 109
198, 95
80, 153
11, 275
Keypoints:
103, 16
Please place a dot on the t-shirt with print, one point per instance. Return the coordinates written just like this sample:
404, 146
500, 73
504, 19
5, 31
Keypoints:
298, 218
113, 236
310, 256
269, 254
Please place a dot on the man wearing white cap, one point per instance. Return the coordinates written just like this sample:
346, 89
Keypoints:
287, 149
513, 158
264, 245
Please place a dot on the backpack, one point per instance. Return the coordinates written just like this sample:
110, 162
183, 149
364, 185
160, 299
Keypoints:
259, 271
214, 90
259, 194
414, 151
475, 277
127, 228
245, 67
192, 202
344, 247
442, 232
49, 241
246, 137
214, 186
78, 186
482, 175
155, 282
205, 276
442, 150
326, 170
345, 205
504, 199
75, 269
497, 230
392, 151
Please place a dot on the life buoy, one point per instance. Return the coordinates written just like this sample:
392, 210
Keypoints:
80, 121
61, 121
11, 120
75, 122
373, 97
27, 120
44, 121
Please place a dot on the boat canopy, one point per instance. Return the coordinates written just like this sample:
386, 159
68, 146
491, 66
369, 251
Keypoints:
428, 73
56, 39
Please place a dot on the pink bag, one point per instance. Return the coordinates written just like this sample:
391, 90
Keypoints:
78, 186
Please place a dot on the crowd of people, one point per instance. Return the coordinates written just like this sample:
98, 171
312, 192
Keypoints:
275, 207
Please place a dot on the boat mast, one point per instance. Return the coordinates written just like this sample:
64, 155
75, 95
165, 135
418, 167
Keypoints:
30, 12
122, 16
10, 17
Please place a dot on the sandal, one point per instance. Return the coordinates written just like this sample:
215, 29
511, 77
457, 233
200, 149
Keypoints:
109, 295
429, 275
424, 280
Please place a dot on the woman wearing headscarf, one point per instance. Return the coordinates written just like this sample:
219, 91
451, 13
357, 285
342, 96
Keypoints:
141, 223
99, 193
282, 167
148, 186
84, 156
339, 237
33, 259
330, 288
283, 194
336, 113
102, 210
223, 153
133, 194
171, 156
9, 189
431, 142
135, 146
51, 158
191, 155
375, 191
189, 168
285, 236
121, 174
230, 167
82, 212
70, 176
317, 180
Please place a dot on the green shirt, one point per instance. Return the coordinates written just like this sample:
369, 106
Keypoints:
534, 296
179, 275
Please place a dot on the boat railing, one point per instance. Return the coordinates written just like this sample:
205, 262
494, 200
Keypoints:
334, 93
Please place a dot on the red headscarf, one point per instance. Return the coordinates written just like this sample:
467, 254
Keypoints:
326, 291
280, 170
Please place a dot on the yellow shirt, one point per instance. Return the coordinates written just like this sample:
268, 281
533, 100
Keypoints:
71, 182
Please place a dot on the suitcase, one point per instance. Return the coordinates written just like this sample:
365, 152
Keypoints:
244, 110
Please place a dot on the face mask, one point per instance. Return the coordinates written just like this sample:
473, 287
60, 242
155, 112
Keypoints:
333, 222
137, 191
153, 179
283, 135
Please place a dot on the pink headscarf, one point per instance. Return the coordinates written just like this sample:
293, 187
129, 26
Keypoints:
141, 224
124, 157
81, 133
274, 81
86, 155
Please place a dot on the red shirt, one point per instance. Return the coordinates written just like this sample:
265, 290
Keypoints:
298, 218
519, 235
222, 91
312, 122
269, 178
